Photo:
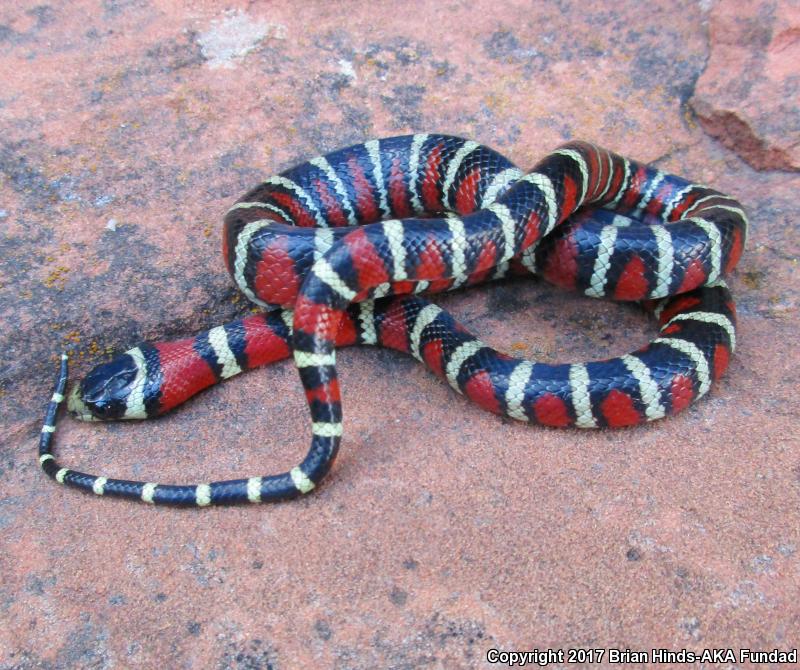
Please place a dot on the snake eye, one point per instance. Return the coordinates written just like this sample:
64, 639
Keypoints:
106, 389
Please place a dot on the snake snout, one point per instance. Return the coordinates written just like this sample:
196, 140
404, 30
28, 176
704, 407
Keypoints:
105, 392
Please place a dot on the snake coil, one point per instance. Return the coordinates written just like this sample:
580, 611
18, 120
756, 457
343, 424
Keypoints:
337, 248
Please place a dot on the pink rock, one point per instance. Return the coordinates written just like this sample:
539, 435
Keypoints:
442, 531
748, 95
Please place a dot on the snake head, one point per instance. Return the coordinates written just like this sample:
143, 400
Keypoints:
105, 392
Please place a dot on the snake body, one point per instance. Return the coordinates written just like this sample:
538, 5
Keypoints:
337, 248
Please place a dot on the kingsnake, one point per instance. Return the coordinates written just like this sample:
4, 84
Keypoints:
324, 245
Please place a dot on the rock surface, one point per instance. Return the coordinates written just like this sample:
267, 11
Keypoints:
748, 97
127, 128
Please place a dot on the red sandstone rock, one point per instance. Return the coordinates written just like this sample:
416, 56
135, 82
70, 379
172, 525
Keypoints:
127, 128
748, 97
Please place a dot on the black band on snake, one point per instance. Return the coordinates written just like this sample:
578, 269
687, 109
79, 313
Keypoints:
337, 249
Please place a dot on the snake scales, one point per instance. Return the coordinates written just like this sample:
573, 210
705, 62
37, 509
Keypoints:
337, 249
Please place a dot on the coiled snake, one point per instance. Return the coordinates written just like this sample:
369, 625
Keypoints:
337, 248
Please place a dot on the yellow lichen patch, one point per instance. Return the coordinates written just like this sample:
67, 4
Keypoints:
57, 278
753, 279
93, 352
72, 338
94, 348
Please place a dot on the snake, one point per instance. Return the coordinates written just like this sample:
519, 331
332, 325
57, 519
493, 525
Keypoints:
345, 248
